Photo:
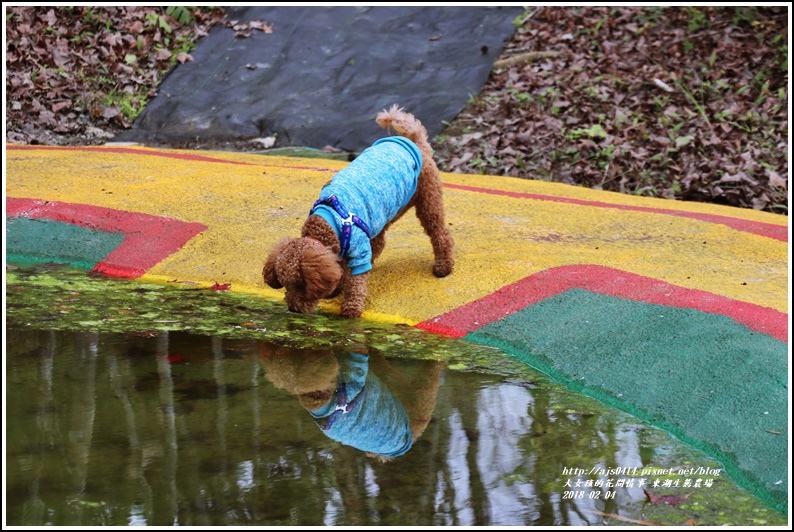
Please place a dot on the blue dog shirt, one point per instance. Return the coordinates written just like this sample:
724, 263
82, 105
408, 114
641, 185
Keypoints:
373, 188
363, 413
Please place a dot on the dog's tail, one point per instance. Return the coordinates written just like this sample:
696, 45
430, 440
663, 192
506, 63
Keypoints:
404, 124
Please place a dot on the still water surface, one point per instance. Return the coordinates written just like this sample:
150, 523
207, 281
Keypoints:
173, 428
191, 407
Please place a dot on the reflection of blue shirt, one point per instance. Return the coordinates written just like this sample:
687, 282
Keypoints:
374, 187
378, 423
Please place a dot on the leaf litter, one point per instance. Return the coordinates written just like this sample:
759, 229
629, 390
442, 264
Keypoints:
682, 102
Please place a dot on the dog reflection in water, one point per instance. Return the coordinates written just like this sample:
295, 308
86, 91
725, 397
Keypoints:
357, 399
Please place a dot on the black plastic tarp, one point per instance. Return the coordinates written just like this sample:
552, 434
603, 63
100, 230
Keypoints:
319, 78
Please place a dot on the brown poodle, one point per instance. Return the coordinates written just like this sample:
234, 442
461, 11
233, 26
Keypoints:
357, 399
346, 228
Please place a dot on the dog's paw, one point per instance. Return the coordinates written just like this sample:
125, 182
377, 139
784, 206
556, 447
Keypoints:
349, 311
442, 268
352, 308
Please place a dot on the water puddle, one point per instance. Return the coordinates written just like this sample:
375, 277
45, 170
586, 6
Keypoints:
130, 403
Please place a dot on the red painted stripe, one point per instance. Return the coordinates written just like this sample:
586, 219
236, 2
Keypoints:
606, 281
778, 232
170, 155
147, 239
132, 151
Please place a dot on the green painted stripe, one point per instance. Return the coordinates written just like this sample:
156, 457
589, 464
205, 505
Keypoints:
714, 383
37, 241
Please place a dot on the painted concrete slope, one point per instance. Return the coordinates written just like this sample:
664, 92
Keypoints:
676, 312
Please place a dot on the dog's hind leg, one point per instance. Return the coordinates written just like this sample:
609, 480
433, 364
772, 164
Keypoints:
430, 211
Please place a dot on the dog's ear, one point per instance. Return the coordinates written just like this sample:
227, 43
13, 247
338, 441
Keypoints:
269, 272
321, 271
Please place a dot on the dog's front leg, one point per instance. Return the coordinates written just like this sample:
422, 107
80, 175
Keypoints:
355, 295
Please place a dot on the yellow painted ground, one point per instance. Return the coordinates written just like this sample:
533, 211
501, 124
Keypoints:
499, 239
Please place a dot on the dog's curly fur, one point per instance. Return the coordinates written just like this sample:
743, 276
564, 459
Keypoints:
309, 267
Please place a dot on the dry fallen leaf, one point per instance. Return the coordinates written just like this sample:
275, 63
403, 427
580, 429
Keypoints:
775, 180
671, 500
